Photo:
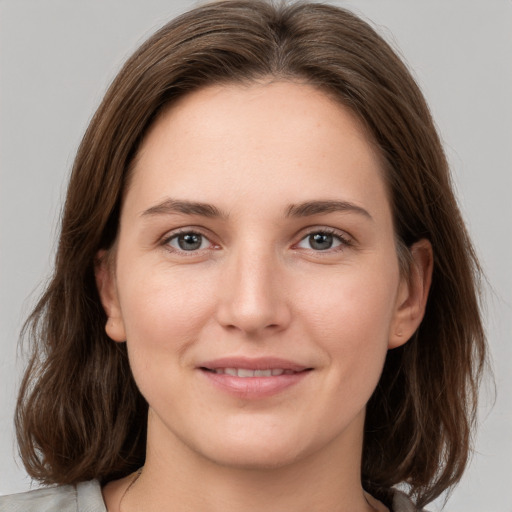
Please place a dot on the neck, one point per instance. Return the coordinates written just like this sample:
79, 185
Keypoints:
179, 479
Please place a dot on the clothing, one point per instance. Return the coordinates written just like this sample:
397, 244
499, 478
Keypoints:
87, 497
84, 497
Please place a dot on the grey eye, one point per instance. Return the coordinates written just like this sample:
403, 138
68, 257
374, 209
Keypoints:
188, 242
320, 241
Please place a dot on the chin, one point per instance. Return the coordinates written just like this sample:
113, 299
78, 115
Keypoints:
254, 458
257, 449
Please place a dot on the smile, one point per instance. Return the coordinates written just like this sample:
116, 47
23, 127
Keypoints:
253, 379
245, 372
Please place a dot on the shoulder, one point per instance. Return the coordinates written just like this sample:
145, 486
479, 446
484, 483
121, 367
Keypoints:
402, 503
83, 497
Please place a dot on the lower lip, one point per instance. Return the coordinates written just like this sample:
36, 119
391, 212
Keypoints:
252, 388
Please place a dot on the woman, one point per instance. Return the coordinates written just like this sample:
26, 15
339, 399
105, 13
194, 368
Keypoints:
264, 295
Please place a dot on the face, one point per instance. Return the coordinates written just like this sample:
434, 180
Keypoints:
256, 280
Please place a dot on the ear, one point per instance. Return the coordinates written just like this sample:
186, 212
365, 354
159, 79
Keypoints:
107, 289
412, 294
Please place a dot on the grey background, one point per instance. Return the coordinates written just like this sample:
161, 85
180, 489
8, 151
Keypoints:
56, 60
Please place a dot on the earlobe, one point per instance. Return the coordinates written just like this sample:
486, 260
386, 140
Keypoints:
413, 294
105, 282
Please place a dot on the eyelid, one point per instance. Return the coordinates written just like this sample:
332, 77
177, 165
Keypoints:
346, 239
170, 235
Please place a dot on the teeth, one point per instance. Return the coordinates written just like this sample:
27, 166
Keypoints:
244, 372
262, 373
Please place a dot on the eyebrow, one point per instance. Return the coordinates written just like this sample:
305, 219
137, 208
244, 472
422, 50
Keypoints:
170, 206
310, 208
306, 209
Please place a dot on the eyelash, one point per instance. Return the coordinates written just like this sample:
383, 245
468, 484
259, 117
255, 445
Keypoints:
186, 231
341, 237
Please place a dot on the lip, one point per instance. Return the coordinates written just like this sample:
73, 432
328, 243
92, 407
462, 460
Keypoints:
253, 388
260, 363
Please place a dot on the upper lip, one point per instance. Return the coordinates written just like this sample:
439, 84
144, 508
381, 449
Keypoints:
260, 363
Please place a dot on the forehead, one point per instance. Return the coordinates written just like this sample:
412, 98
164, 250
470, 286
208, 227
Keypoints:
299, 106
286, 135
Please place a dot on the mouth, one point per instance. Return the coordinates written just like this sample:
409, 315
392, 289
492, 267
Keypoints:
251, 379
248, 373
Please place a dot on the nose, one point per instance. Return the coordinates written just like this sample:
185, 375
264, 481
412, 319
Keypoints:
253, 299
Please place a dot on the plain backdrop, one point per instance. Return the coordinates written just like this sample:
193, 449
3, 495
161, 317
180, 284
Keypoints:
58, 56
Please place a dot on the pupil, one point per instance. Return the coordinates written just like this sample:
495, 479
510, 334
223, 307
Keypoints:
320, 241
189, 241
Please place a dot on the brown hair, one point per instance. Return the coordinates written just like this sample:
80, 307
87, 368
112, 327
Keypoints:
80, 415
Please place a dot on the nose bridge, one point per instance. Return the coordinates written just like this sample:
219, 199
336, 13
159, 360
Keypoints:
252, 299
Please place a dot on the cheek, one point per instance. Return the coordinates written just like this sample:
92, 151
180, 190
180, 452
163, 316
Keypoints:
163, 310
349, 315
355, 298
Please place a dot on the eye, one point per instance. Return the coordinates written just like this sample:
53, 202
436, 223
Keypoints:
188, 241
322, 241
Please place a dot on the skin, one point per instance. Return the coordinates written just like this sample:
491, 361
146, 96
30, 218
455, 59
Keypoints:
257, 287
